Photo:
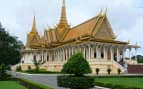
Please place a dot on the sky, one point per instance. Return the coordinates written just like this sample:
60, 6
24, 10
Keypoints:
125, 16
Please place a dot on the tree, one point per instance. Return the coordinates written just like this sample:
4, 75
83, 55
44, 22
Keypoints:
10, 48
37, 63
77, 65
3, 75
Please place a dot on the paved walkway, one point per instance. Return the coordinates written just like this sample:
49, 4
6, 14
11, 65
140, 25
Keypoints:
46, 79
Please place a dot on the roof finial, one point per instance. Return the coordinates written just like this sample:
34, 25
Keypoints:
63, 2
34, 28
100, 13
105, 13
63, 20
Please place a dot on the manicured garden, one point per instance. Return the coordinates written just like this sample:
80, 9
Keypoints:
10, 85
120, 82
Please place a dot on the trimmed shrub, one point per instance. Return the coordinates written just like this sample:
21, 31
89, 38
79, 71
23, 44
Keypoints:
77, 65
76, 82
18, 68
115, 86
109, 71
119, 71
31, 85
29, 67
97, 71
32, 71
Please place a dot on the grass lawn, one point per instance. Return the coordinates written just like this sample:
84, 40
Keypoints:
122, 81
10, 85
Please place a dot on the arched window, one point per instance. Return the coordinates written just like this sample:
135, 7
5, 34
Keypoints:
102, 53
95, 55
34, 57
47, 58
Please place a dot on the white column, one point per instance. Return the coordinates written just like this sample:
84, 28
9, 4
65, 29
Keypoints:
50, 57
72, 50
97, 53
111, 51
92, 52
69, 52
84, 52
53, 57
60, 54
105, 53
118, 55
56, 55
124, 50
89, 52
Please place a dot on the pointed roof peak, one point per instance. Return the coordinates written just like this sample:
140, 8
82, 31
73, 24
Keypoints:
34, 28
105, 12
63, 19
63, 2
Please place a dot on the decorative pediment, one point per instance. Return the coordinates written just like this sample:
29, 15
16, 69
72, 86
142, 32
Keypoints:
104, 31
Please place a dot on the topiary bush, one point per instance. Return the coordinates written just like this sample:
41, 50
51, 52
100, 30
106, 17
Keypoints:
29, 68
77, 66
119, 71
109, 71
97, 71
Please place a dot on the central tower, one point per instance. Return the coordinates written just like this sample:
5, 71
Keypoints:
63, 26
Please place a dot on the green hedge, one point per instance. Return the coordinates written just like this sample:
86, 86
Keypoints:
32, 85
115, 86
41, 72
73, 82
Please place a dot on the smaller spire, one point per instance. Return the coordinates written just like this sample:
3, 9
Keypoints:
105, 13
100, 13
34, 28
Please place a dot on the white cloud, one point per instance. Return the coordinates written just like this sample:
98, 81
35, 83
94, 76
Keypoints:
125, 16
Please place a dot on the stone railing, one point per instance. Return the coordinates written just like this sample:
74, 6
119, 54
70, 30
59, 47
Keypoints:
123, 69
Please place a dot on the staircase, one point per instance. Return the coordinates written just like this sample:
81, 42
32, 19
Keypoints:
135, 69
120, 66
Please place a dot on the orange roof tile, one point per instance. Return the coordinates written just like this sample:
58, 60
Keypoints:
54, 38
82, 29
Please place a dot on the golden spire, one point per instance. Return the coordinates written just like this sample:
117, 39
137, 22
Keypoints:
34, 29
63, 20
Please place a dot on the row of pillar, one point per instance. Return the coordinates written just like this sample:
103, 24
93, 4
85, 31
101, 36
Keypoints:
89, 51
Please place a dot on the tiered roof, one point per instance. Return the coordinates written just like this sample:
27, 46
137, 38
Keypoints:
96, 29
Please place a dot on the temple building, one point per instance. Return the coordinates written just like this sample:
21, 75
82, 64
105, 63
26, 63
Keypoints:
94, 37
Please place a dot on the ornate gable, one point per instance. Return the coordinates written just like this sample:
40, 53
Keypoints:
103, 30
